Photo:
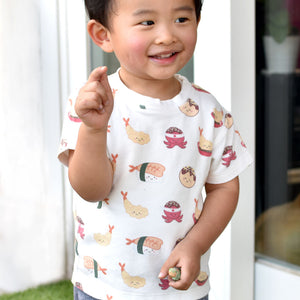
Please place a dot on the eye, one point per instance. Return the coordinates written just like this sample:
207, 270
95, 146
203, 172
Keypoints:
181, 20
147, 23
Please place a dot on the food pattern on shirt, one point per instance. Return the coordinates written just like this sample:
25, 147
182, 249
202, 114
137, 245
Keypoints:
138, 137
228, 156
228, 121
201, 279
172, 212
72, 113
114, 161
131, 281
135, 211
149, 172
218, 117
199, 89
175, 137
146, 244
190, 108
100, 203
104, 239
187, 177
164, 283
92, 265
242, 142
154, 172
80, 229
205, 146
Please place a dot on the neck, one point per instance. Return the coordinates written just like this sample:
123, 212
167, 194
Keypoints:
162, 89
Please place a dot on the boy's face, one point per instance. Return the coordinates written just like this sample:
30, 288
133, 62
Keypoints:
152, 39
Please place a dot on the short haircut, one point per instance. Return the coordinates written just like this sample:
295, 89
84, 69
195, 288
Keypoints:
100, 10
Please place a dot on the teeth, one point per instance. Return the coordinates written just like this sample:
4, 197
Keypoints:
165, 55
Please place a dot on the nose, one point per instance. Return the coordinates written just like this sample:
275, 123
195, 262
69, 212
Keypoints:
165, 35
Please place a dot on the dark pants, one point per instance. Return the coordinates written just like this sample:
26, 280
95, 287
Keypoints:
80, 295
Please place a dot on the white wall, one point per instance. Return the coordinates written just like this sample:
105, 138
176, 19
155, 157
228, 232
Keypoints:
32, 236
276, 282
224, 65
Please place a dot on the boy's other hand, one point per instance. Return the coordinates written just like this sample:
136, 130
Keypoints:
94, 103
186, 257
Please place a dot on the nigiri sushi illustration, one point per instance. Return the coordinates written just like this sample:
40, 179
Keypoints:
149, 172
146, 244
91, 264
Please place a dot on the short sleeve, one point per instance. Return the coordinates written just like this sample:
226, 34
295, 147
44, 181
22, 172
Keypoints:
71, 125
230, 155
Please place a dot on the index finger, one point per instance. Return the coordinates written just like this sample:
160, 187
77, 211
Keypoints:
100, 74
96, 74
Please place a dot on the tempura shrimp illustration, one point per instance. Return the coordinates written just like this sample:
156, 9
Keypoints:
138, 137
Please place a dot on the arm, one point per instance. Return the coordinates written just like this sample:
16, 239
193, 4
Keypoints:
219, 206
90, 170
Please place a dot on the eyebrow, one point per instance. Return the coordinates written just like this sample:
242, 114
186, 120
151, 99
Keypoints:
150, 11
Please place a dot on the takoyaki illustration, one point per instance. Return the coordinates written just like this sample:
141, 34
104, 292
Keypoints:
187, 177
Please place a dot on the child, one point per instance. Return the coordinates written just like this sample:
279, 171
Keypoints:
140, 146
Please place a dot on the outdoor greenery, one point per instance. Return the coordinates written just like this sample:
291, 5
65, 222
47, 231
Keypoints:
57, 291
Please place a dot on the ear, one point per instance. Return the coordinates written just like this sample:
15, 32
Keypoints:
100, 35
199, 19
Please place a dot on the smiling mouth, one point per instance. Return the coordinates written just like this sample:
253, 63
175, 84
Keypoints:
164, 56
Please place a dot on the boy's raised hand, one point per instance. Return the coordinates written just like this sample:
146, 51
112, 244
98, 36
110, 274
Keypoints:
94, 103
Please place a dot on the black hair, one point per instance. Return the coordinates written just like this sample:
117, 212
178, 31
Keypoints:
100, 10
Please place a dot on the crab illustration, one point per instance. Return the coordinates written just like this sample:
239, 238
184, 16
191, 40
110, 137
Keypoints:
172, 212
175, 137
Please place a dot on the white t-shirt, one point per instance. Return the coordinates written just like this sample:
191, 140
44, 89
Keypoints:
163, 153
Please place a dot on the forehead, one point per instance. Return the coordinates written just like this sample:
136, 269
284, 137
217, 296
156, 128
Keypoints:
152, 5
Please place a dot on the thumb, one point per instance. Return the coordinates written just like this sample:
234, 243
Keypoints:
104, 81
97, 74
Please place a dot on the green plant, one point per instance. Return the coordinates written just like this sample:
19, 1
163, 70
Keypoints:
57, 291
278, 24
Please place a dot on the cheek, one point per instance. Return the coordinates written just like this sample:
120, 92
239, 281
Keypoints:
137, 45
190, 41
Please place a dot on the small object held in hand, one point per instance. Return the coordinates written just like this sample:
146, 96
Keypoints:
174, 273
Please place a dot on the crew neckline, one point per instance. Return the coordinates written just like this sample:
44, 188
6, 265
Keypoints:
140, 99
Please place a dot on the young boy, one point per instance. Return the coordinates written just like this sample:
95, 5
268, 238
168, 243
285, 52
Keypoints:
140, 146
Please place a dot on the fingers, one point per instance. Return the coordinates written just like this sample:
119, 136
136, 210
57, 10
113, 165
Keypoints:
96, 94
100, 75
189, 272
164, 271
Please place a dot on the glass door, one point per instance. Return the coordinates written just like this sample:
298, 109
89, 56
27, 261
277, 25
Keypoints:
100, 58
277, 229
